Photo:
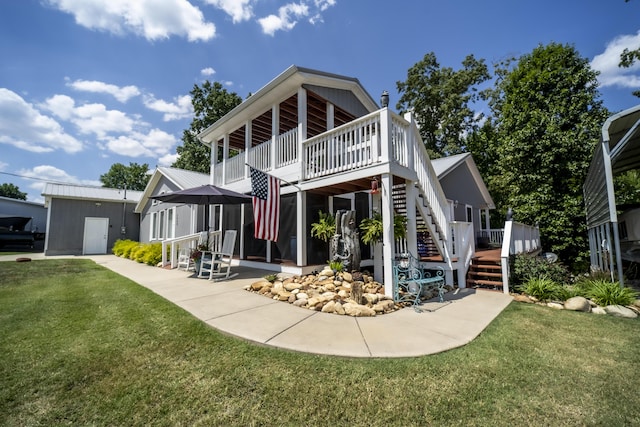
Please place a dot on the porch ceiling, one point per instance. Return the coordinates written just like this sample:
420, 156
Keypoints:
316, 121
363, 184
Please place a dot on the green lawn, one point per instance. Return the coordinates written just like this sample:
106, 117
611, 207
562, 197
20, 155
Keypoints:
81, 345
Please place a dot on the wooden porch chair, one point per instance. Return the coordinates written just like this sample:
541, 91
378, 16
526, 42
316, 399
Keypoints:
184, 253
217, 265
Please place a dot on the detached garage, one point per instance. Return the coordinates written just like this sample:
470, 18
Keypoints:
85, 220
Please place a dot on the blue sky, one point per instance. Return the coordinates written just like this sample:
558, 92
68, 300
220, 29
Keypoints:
85, 84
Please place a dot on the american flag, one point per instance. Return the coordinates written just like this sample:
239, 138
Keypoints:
265, 190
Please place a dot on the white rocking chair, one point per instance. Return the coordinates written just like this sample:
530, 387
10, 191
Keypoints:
184, 253
217, 265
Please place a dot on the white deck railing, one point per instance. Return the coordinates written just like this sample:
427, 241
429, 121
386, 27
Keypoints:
234, 169
260, 156
518, 239
172, 246
350, 146
287, 148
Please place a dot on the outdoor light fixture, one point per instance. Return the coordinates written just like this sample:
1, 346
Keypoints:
384, 99
374, 185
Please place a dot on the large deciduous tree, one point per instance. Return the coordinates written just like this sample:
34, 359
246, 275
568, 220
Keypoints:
134, 176
547, 116
441, 100
12, 191
210, 102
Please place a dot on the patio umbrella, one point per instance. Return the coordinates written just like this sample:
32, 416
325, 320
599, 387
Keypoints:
204, 195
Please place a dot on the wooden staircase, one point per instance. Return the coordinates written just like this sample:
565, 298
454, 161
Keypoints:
485, 271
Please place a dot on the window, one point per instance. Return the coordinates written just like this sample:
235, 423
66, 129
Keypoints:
154, 226
171, 223
161, 225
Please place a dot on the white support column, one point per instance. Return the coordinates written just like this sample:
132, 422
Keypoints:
275, 131
302, 127
388, 242
247, 147
377, 247
213, 159
225, 157
412, 229
331, 115
410, 140
301, 227
487, 220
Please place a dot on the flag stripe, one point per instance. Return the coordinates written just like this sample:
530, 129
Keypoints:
265, 190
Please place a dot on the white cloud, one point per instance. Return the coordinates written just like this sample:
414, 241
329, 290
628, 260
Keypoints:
321, 6
607, 63
286, 19
239, 10
23, 126
91, 118
167, 159
48, 173
151, 19
180, 108
122, 94
207, 71
155, 143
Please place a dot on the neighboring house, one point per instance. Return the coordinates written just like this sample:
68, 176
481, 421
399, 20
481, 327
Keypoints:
328, 141
34, 218
160, 221
468, 196
88, 220
618, 152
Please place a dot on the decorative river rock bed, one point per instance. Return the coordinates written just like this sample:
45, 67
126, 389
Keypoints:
586, 305
351, 294
357, 294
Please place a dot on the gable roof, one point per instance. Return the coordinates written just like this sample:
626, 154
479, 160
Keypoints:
276, 91
83, 192
182, 179
445, 165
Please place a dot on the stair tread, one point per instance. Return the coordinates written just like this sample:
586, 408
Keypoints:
484, 282
486, 266
484, 273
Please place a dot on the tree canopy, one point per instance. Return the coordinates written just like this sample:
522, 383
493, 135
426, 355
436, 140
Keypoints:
210, 102
134, 176
12, 191
547, 117
441, 100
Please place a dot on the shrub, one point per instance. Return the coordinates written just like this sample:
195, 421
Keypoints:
544, 289
152, 254
604, 293
527, 267
123, 248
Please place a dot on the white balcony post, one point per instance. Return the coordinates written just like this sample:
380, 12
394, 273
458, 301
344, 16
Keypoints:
225, 157
275, 131
302, 127
331, 111
411, 140
213, 159
385, 135
247, 147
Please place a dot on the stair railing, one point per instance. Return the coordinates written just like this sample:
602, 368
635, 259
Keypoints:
518, 239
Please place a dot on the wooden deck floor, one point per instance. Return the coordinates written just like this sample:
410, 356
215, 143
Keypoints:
488, 255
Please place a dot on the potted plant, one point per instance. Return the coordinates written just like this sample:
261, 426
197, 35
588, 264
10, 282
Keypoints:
372, 228
325, 228
196, 256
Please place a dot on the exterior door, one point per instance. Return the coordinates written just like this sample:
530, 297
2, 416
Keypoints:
96, 233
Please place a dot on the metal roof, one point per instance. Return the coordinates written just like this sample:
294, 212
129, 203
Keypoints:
182, 178
444, 165
80, 192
